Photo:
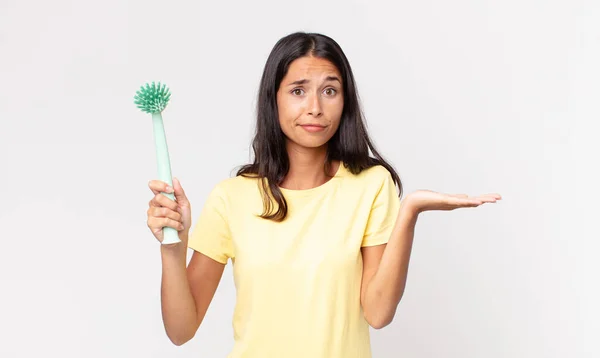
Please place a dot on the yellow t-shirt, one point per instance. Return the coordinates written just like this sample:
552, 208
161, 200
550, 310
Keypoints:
298, 282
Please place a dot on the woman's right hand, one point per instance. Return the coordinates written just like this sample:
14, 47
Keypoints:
163, 211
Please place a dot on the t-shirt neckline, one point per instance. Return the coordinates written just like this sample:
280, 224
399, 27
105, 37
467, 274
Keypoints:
303, 192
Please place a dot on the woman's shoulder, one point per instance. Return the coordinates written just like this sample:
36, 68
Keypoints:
375, 173
235, 186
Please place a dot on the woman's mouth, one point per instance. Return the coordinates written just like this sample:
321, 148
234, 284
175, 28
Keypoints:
313, 127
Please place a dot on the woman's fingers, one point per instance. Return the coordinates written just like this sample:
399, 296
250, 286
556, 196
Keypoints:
166, 213
488, 198
158, 186
163, 211
160, 200
157, 223
463, 200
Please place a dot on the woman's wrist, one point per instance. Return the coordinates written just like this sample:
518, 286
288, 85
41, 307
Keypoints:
176, 251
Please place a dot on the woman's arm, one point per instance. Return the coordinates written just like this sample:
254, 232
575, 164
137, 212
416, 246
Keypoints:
186, 293
385, 268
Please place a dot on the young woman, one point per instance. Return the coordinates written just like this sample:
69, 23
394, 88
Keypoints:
319, 239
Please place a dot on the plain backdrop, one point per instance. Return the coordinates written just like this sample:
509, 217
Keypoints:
461, 96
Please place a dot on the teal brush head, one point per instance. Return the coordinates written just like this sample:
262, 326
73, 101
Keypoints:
152, 98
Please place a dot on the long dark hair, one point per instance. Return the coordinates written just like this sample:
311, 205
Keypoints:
350, 144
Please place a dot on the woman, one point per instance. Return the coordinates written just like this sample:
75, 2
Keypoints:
314, 226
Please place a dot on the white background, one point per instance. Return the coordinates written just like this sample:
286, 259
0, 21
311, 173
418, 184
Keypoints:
461, 96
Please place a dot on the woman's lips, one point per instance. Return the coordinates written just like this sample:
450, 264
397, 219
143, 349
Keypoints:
312, 128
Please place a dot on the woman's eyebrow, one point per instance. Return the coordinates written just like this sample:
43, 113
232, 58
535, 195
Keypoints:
303, 81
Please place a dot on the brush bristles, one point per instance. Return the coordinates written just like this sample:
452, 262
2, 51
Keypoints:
152, 98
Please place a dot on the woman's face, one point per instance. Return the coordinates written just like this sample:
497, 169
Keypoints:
310, 102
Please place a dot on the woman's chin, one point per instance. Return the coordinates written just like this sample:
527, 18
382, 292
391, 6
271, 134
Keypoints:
309, 143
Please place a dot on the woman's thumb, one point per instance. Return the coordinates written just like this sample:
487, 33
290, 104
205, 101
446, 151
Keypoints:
179, 193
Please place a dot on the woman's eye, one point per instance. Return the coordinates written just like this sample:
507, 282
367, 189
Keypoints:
332, 91
300, 91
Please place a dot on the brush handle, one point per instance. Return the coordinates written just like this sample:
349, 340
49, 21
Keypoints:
170, 235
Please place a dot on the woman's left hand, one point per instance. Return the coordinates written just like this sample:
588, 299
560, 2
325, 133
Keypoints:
425, 200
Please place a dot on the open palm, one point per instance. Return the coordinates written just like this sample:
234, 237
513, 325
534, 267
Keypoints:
425, 200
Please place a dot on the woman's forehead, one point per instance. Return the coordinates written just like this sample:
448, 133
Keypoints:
309, 66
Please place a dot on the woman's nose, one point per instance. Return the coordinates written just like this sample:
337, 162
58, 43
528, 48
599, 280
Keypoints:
314, 105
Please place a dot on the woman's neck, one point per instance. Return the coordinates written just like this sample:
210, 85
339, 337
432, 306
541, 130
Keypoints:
306, 168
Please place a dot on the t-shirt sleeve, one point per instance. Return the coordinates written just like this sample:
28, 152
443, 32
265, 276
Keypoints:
383, 214
211, 235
